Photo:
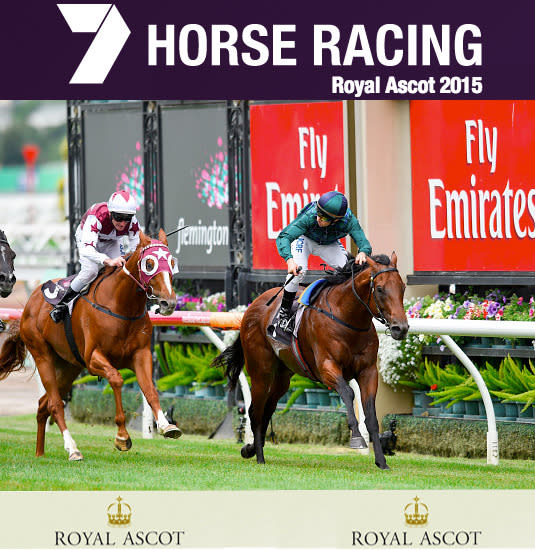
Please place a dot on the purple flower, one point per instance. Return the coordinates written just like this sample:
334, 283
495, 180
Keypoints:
442, 348
466, 304
520, 300
493, 308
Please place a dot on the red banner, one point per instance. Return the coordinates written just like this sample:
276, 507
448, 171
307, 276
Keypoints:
297, 153
473, 185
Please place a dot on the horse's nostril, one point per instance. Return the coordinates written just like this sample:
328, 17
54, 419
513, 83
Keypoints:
164, 304
2, 277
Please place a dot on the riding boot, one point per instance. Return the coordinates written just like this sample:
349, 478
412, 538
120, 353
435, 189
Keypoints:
58, 312
285, 313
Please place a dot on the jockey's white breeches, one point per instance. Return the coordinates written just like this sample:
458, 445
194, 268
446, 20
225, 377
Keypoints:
89, 268
333, 254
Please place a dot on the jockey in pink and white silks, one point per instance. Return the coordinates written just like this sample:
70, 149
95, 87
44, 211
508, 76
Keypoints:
98, 238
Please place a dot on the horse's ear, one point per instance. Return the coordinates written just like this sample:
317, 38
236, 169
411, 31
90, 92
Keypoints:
144, 240
394, 259
162, 237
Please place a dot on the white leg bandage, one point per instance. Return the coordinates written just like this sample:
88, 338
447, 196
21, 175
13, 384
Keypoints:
161, 421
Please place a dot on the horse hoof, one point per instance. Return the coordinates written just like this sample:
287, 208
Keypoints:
383, 467
358, 443
76, 455
123, 444
247, 451
172, 432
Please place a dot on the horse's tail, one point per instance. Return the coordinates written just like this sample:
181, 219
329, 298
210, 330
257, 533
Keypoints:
232, 360
13, 352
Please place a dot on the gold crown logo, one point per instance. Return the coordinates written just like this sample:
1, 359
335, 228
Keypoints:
119, 514
414, 513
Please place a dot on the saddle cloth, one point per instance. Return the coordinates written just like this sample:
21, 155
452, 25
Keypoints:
305, 299
53, 292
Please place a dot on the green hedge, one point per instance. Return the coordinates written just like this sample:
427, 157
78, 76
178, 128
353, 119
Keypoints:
199, 416
455, 437
194, 416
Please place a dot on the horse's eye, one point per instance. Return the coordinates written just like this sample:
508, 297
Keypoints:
380, 290
150, 265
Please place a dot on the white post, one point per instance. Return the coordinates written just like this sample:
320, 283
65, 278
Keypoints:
246, 391
492, 433
357, 403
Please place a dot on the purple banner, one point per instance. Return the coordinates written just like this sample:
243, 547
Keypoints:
282, 50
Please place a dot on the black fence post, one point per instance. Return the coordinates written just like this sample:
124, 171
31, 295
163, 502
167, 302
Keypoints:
152, 168
240, 236
76, 184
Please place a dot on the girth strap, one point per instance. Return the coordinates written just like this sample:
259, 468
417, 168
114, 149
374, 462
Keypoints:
67, 324
296, 350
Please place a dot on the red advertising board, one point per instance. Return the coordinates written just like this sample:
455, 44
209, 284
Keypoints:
297, 153
473, 185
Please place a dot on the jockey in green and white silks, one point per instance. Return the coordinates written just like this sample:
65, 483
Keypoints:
317, 230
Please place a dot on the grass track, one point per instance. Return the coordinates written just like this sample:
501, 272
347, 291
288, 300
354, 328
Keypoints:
196, 463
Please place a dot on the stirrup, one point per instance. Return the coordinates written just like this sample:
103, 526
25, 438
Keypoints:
58, 313
285, 324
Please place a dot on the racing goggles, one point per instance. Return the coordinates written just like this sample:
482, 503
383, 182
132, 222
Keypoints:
118, 217
325, 218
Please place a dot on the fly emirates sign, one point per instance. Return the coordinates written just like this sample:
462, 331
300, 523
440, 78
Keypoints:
297, 153
473, 185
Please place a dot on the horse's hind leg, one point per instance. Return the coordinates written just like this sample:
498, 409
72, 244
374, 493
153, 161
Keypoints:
367, 380
280, 387
46, 362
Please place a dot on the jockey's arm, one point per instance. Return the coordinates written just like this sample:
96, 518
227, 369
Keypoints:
357, 234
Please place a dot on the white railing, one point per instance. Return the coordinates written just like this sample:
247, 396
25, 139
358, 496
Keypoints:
445, 328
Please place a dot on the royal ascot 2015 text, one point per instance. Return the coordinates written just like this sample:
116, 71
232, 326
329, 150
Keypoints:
451, 85
254, 45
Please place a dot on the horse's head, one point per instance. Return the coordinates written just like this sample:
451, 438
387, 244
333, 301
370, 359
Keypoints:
155, 267
387, 290
7, 268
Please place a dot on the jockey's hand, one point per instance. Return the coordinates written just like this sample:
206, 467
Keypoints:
115, 262
360, 258
292, 266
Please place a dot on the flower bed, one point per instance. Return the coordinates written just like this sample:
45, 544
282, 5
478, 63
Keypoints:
403, 364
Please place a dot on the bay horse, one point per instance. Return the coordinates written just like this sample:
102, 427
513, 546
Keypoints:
338, 342
111, 329
7, 268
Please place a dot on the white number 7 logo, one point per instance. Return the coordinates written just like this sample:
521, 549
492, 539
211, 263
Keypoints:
111, 35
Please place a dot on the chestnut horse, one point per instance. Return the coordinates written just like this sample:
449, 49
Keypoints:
111, 329
338, 342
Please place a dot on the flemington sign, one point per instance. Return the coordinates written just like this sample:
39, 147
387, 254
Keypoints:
473, 185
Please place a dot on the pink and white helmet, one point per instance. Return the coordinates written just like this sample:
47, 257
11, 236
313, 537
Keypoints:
122, 203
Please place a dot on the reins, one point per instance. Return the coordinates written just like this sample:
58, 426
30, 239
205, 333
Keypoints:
107, 310
380, 317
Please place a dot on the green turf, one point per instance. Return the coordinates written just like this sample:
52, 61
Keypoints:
196, 463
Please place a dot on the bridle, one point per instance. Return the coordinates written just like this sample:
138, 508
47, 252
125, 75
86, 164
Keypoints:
146, 287
380, 317
3, 241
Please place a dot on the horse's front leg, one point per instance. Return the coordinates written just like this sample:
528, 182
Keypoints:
367, 380
142, 364
100, 366
333, 378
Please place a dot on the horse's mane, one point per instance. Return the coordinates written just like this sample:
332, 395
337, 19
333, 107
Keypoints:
341, 274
